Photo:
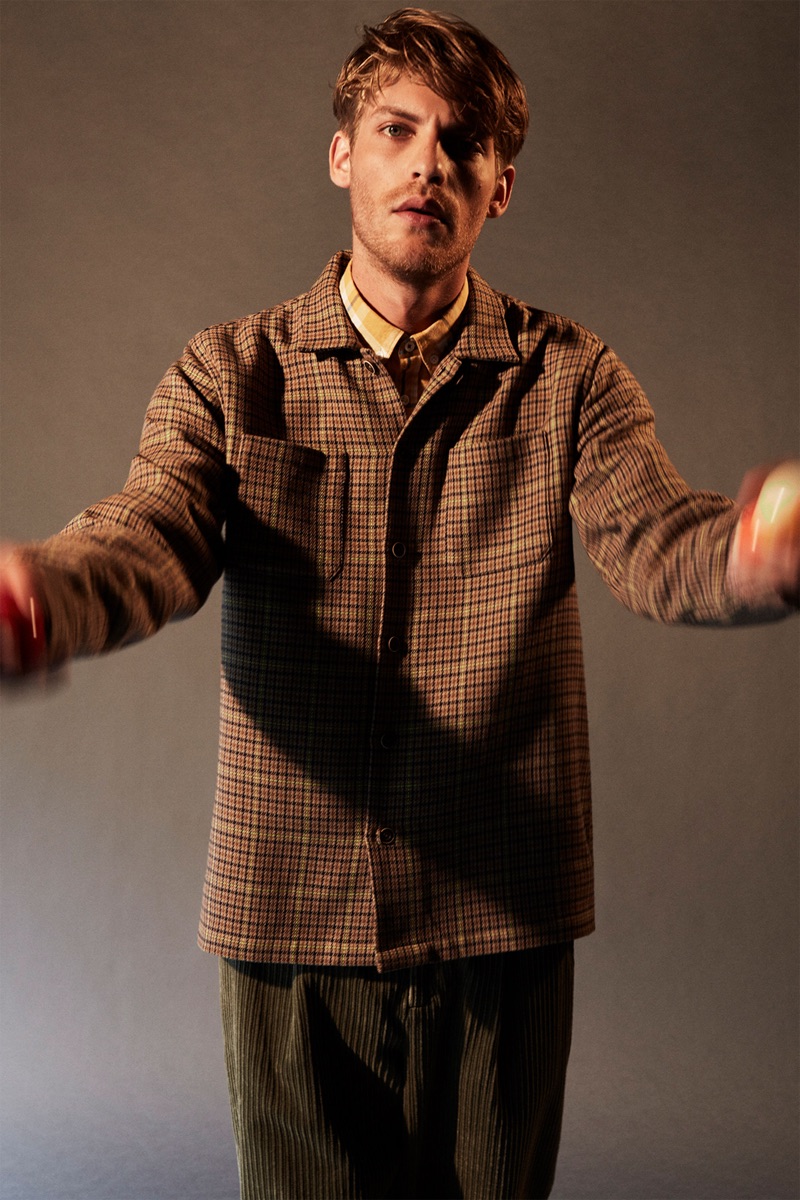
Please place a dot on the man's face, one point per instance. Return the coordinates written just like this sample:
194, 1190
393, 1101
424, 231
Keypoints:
421, 184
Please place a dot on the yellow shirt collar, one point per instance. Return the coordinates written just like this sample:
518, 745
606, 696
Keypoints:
383, 337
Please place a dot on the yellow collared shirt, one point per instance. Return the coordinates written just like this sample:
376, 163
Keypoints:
410, 359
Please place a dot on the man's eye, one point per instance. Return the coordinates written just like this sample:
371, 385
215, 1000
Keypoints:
464, 147
394, 131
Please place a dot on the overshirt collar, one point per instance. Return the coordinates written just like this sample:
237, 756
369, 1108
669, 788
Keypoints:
484, 332
322, 322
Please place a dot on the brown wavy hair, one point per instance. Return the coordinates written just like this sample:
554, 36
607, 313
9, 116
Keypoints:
451, 57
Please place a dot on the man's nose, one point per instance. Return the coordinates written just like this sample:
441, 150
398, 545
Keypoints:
428, 162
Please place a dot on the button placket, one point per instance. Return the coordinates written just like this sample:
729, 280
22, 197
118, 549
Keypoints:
390, 826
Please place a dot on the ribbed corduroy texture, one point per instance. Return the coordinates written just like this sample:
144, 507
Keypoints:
444, 1080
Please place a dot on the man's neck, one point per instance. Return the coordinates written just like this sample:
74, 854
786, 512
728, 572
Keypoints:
410, 306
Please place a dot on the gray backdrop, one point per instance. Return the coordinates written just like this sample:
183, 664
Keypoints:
165, 168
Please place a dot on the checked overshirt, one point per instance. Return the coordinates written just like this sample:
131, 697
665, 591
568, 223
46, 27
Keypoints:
404, 762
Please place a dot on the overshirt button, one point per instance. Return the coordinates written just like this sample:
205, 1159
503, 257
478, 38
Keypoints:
398, 550
396, 644
405, 399
410, 346
434, 359
386, 740
386, 836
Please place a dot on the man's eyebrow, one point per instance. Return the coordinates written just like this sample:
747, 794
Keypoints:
385, 110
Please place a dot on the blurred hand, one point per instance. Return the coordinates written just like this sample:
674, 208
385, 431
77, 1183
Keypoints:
22, 633
765, 555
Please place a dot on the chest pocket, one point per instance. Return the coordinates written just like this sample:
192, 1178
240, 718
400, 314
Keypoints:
495, 512
288, 511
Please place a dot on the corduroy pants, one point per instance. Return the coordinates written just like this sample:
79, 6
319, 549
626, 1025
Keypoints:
440, 1081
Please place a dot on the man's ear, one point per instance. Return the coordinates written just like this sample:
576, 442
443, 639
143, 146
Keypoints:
502, 192
339, 159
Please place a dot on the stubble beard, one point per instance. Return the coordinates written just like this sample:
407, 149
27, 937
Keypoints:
419, 256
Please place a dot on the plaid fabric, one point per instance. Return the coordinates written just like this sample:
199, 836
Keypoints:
404, 765
410, 359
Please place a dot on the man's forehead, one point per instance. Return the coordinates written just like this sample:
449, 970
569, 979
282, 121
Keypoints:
413, 99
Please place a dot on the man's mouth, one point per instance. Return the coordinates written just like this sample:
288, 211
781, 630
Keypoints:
421, 211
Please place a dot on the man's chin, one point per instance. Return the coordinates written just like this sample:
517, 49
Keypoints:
422, 266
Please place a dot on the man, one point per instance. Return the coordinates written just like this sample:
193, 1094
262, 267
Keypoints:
401, 850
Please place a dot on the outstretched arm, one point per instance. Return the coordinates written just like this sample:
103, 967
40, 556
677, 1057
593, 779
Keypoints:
137, 559
665, 550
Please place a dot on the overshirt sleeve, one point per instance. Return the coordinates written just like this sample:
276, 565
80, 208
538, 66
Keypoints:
152, 552
661, 547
